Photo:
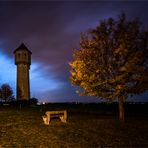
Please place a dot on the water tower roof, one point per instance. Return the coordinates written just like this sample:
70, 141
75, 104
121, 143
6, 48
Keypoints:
22, 47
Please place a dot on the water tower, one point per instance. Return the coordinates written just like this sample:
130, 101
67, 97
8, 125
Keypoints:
23, 61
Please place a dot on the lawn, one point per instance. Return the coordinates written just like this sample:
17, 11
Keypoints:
85, 128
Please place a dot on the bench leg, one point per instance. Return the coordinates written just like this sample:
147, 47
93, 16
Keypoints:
48, 119
64, 117
45, 120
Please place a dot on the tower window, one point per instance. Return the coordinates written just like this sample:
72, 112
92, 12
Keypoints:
25, 55
19, 55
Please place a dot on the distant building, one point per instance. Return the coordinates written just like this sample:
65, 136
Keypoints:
23, 61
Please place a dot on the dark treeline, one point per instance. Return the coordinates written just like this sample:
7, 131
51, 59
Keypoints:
102, 108
131, 108
13, 103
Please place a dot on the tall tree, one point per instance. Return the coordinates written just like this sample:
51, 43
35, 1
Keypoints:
6, 92
112, 61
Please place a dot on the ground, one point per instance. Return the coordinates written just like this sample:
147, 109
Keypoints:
24, 127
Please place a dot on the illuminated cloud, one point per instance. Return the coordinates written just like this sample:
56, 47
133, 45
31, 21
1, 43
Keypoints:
7, 70
41, 83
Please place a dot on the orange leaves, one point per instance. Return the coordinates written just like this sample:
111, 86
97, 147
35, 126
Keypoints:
111, 60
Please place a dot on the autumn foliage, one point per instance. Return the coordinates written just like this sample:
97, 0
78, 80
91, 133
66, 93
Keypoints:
112, 61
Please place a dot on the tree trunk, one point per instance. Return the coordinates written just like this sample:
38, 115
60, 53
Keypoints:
121, 109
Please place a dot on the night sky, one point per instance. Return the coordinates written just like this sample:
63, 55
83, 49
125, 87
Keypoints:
50, 30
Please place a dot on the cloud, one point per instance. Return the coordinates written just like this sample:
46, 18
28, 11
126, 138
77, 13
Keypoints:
7, 70
40, 81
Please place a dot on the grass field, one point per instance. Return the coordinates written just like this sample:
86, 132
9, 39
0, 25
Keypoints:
86, 128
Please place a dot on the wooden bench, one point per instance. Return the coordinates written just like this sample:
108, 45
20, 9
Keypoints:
51, 114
